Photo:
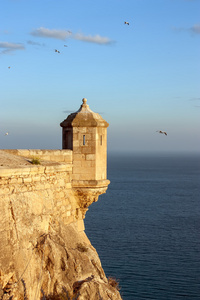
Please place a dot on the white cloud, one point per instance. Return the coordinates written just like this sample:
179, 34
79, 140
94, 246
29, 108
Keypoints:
51, 33
97, 39
10, 47
63, 34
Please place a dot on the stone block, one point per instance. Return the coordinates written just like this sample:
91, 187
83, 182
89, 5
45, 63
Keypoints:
78, 156
13, 180
76, 176
77, 163
49, 169
86, 164
86, 150
19, 180
90, 156
77, 143
27, 179
82, 130
47, 157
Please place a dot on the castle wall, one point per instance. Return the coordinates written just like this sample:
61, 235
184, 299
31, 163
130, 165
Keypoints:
50, 155
44, 192
43, 247
49, 189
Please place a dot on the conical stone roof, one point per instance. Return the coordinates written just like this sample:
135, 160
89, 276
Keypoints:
84, 117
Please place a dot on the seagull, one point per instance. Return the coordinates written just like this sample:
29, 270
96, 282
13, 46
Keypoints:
127, 23
162, 132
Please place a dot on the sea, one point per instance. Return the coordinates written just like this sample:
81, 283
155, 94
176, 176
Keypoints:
146, 228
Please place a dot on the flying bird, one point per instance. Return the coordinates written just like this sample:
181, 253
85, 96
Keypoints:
65, 46
57, 51
6, 133
8, 67
162, 132
127, 23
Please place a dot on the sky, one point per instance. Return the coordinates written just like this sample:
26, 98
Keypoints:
141, 78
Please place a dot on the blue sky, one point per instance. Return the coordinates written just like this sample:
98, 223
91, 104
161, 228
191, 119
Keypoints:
140, 77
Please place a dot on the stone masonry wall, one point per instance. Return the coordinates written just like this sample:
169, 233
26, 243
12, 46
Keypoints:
50, 185
65, 156
43, 247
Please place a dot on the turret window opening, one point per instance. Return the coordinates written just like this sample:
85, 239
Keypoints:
83, 140
101, 140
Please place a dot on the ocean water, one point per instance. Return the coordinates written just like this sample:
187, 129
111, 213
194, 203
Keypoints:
146, 228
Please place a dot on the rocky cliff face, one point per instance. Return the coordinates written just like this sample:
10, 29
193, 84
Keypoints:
44, 252
60, 264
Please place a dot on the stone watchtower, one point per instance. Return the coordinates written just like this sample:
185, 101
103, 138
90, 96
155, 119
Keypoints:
85, 133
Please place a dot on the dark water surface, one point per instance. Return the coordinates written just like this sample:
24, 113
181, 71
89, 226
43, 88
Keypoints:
146, 228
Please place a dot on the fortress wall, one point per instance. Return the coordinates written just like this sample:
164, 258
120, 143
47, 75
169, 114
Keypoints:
50, 155
43, 247
38, 195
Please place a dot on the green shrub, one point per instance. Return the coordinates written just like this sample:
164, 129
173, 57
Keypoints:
35, 161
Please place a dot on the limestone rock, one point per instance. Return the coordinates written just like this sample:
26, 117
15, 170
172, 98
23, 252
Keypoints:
61, 262
44, 251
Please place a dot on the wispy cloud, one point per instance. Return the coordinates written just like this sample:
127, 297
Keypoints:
97, 39
4, 32
64, 34
195, 29
10, 47
67, 111
35, 43
195, 99
51, 33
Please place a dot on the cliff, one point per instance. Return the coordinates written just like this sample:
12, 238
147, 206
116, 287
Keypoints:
44, 251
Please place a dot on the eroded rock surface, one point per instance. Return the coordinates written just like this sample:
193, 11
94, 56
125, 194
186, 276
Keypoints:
44, 252
61, 263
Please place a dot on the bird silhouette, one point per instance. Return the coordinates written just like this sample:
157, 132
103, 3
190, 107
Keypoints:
162, 132
127, 23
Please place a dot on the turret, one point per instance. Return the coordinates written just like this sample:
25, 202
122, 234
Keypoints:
85, 132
